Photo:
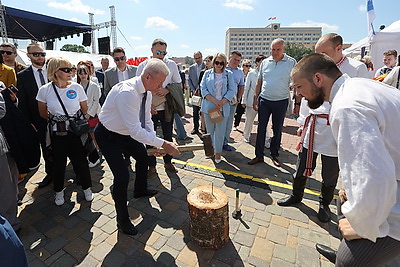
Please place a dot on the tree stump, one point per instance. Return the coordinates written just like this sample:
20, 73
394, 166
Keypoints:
209, 219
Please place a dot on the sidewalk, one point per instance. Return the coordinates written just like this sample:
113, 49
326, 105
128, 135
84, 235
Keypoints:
85, 234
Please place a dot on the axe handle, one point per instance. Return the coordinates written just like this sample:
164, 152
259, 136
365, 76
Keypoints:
187, 148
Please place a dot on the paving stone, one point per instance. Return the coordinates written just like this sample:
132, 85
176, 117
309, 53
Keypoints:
277, 234
244, 252
54, 257
262, 249
307, 256
285, 253
248, 227
291, 242
187, 256
165, 230
177, 242
64, 260
77, 248
160, 242
272, 209
114, 259
280, 263
314, 236
257, 262
99, 252
244, 238
89, 261
280, 221
56, 244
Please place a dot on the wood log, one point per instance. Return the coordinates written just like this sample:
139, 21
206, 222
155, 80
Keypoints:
209, 216
184, 148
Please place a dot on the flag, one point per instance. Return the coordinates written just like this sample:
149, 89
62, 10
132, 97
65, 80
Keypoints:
271, 18
370, 18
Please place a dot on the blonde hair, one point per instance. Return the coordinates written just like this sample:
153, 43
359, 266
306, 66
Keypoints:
220, 55
53, 65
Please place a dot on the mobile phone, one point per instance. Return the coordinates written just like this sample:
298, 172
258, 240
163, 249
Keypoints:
13, 89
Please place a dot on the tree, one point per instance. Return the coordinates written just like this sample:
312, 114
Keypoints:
74, 48
189, 60
297, 51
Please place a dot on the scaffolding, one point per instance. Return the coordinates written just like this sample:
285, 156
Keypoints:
112, 24
3, 28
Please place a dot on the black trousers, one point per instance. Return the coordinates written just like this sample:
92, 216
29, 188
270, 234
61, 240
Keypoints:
70, 146
166, 128
113, 146
238, 115
196, 117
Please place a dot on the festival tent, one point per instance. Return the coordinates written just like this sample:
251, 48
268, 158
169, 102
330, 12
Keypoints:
388, 38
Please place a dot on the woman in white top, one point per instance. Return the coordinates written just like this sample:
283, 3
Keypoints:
247, 100
93, 93
63, 142
217, 89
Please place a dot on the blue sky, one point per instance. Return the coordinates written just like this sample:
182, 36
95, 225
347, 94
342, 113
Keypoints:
193, 25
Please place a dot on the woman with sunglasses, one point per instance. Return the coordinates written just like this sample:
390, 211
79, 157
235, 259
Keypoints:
51, 99
93, 93
217, 88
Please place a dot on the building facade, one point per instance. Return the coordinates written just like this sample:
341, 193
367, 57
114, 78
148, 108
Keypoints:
254, 41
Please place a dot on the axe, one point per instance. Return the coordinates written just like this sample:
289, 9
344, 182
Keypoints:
207, 146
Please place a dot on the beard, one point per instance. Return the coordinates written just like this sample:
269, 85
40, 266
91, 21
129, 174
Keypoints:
318, 97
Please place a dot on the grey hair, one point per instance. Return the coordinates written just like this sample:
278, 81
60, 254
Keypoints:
156, 66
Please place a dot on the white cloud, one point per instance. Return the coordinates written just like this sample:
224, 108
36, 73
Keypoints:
75, 6
362, 8
309, 23
136, 38
160, 23
185, 46
239, 4
210, 51
142, 50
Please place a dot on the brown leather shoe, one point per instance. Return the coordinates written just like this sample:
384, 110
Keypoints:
276, 161
169, 167
255, 161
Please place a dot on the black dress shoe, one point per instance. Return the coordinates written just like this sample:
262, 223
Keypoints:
255, 161
327, 252
324, 213
276, 161
45, 182
127, 228
288, 201
147, 193
195, 132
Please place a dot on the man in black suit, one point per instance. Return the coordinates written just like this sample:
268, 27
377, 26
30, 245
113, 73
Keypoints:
100, 77
28, 83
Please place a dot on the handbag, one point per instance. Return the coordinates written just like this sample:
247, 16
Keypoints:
77, 126
215, 115
93, 121
196, 98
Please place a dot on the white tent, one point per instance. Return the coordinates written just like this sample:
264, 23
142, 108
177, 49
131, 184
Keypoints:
388, 38
73, 57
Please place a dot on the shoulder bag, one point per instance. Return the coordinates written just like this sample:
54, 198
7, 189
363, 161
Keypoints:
76, 126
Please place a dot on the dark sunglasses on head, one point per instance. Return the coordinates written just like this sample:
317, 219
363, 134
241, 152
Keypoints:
161, 52
247, 66
38, 54
219, 63
66, 70
119, 58
6, 52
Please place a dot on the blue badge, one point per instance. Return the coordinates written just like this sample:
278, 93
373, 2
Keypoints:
71, 94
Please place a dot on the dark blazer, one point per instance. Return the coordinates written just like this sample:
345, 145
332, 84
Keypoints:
111, 77
100, 77
27, 102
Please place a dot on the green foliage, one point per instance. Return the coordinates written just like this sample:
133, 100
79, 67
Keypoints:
74, 48
297, 51
189, 60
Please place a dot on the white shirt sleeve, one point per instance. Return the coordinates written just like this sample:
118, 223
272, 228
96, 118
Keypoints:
366, 167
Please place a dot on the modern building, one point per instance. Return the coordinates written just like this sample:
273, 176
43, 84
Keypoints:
254, 41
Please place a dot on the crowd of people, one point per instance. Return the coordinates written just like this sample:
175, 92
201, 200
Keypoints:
58, 110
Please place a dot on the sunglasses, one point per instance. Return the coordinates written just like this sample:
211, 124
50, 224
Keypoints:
38, 54
66, 70
219, 63
119, 58
247, 66
161, 52
6, 52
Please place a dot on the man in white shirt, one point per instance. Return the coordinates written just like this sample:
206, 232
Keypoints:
389, 61
125, 127
369, 163
159, 51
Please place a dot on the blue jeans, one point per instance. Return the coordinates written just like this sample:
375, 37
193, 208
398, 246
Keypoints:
180, 129
229, 124
278, 111
217, 132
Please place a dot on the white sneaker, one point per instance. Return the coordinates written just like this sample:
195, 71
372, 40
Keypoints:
91, 165
59, 198
88, 194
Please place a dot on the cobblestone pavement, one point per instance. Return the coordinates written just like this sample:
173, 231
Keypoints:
85, 234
